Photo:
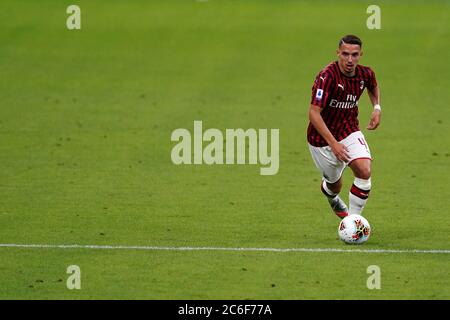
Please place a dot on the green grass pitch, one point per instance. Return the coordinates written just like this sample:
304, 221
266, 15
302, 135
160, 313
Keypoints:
85, 123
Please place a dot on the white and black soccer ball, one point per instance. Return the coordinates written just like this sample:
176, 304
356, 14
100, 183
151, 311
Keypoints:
354, 229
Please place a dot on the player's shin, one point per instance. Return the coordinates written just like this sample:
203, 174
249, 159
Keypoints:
359, 193
326, 191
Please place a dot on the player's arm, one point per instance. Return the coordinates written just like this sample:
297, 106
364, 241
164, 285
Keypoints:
339, 150
375, 118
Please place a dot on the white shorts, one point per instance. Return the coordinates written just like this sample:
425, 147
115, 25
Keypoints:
332, 168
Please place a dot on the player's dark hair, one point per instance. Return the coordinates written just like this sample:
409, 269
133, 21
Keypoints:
350, 39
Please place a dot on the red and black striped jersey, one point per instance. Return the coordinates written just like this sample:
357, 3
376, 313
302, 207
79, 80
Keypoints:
338, 95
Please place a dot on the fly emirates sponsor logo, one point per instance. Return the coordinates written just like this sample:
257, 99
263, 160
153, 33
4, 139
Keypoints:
350, 102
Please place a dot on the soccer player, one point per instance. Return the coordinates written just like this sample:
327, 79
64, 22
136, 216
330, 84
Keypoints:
334, 138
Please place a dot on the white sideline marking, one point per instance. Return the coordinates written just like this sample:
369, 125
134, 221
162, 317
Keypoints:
108, 247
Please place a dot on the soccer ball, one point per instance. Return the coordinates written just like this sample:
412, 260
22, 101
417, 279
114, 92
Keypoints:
354, 229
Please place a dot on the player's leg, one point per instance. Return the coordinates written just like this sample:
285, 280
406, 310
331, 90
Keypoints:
332, 188
359, 192
360, 164
331, 169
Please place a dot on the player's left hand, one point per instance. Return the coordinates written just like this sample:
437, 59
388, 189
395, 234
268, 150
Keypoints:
374, 120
